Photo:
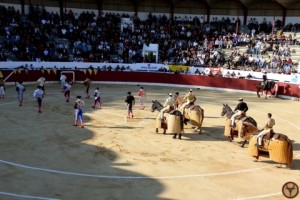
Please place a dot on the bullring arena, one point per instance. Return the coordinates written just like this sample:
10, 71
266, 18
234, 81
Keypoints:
44, 157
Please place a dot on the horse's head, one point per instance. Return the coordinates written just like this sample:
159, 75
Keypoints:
224, 110
156, 106
248, 129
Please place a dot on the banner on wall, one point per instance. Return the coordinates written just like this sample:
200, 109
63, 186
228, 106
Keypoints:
175, 68
147, 66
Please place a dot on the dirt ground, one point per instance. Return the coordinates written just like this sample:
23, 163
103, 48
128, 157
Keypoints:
43, 156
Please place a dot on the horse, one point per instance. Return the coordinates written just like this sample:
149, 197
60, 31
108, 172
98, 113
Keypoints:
193, 114
277, 145
239, 130
264, 88
172, 122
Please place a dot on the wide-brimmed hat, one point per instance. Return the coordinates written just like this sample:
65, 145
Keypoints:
170, 94
78, 97
241, 99
191, 90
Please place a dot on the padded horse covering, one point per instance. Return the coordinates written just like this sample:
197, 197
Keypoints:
239, 128
195, 114
174, 124
280, 149
252, 148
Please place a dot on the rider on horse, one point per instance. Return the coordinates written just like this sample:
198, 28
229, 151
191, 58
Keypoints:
190, 99
240, 109
265, 80
178, 100
168, 103
267, 129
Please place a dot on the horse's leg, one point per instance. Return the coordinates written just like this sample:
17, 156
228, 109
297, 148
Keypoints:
243, 145
179, 136
257, 157
266, 94
257, 93
229, 138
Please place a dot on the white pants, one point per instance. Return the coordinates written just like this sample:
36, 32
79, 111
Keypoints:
165, 109
262, 134
239, 112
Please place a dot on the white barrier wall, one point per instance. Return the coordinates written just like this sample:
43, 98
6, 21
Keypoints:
293, 78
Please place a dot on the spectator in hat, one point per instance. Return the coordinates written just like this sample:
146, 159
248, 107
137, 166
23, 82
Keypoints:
240, 109
169, 102
130, 100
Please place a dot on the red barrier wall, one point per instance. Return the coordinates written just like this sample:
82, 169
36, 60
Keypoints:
150, 77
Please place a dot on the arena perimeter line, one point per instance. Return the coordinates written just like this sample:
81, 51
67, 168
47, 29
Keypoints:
128, 177
26, 196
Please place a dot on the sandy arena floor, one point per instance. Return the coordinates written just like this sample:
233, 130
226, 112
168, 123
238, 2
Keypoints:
42, 156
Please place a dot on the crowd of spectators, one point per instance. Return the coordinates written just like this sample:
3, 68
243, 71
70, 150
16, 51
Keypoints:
87, 37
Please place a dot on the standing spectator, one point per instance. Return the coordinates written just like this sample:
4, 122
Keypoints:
142, 95
130, 102
20, 89
87, 83
39, 95
67, 91
2, 88
97, 95
78, 111
63, 80
41, 82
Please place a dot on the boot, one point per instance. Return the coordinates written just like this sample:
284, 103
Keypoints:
179, 136
174, 136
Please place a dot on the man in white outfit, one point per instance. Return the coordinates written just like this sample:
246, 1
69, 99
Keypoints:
169, 102
267, 129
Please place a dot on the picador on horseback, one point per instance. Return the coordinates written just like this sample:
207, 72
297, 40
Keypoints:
189, 99
240, 109
265, 80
